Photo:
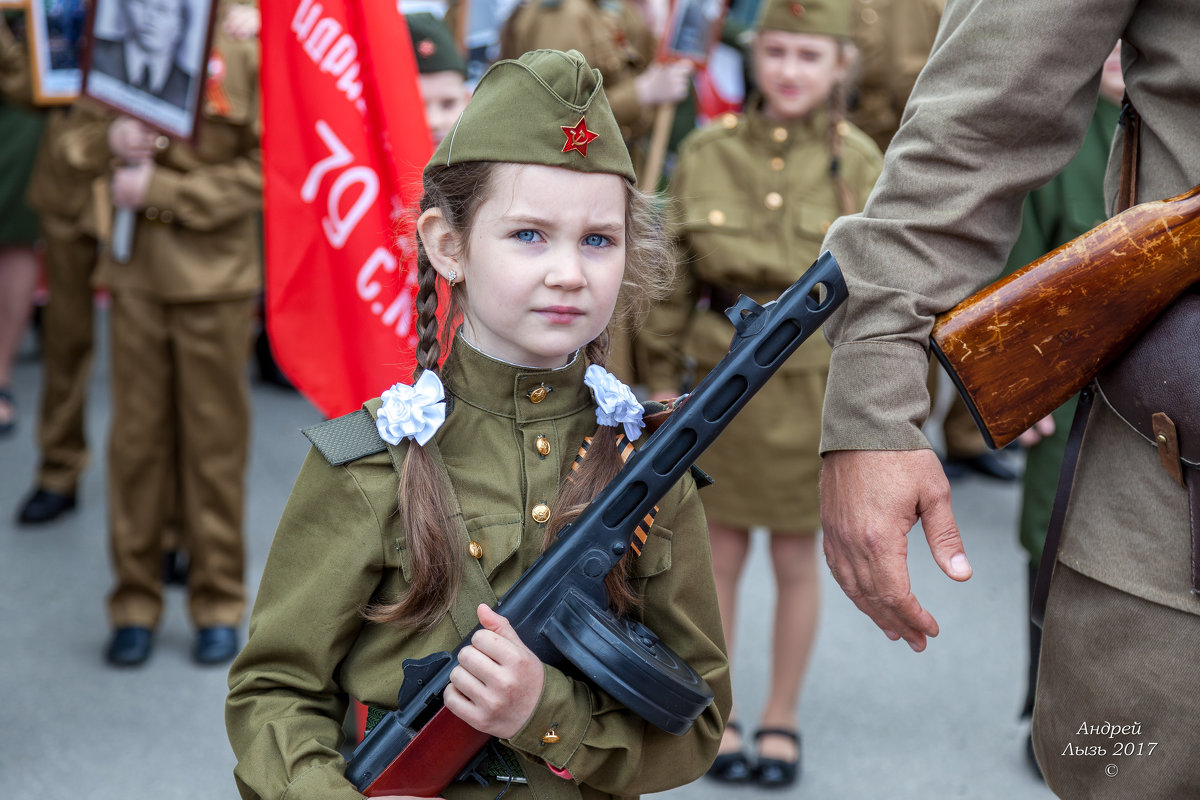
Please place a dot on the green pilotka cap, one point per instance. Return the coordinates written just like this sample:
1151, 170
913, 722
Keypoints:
827, 17
433, 45
546, 107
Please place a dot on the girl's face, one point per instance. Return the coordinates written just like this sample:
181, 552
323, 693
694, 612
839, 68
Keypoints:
795, 71
543, 263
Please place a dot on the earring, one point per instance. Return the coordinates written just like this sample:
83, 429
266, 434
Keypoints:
452, 277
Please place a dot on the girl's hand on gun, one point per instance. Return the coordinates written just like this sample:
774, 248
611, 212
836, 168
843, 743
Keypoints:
498, 680
663, 83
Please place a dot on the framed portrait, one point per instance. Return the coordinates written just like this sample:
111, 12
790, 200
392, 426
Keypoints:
147, 59
56, 38
692, 28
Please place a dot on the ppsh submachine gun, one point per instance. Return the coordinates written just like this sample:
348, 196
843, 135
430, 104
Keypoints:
559, 606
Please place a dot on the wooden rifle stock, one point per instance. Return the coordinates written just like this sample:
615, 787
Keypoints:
1021, 347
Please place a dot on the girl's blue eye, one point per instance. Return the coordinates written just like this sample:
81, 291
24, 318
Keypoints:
526, 236
595, 240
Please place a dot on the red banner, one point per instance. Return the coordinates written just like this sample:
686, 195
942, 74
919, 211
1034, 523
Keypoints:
344, 143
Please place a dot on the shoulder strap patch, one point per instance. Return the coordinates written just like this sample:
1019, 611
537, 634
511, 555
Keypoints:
347, 438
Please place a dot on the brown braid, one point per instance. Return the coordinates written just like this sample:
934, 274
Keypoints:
837, 121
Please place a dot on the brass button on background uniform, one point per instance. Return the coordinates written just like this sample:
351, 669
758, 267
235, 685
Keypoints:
551, 736
843, 128
151, 212
162, 142
543, 445
716, 218
777, 164
779, 134
475, 550
870, 16
166, 215
541, 513
537, 395
729, 120
773, 200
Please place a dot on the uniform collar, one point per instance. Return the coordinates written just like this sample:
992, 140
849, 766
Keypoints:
510, 391
764, 129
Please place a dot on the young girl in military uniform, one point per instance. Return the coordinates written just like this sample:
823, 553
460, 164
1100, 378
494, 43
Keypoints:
754, 196
415, 514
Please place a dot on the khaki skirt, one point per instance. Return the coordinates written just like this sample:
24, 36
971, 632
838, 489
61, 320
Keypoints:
766, 463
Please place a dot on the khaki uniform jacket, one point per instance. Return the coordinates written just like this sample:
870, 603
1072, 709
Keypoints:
197, 236
753, 201
987, 122
612, 36
340, 545
893, 39
14, 68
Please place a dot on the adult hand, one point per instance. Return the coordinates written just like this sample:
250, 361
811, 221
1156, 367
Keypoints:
1041, 429
130, 139
130, 184
870, 500
498, 680
663, 83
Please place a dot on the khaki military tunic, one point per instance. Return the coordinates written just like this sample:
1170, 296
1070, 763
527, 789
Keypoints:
181, 315
893, 39
754, 201
940, 226
341, 545
610, 34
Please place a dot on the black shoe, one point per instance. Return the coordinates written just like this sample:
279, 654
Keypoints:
44, 506
175, 568
129, 647
774, 773
987, 464
731, 767
215, 645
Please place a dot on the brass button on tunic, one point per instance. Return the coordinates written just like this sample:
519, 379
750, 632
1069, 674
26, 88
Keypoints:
540, 513
543, 446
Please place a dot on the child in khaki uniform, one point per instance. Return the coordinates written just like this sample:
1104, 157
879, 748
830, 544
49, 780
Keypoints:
754, 197
420, 511
181, 316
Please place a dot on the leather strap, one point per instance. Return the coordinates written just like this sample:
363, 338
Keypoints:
1062, 497
1127, 190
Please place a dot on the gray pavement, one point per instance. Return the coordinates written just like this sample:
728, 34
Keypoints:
878, 720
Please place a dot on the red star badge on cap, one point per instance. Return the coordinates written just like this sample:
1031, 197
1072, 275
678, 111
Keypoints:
797, 10
426, 48
578, 137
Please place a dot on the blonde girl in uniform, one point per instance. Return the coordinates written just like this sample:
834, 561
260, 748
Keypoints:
413, 515
754, 196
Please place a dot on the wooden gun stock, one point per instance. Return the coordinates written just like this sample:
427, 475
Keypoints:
1021, 347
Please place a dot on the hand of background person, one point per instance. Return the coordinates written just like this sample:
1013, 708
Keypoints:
663, 83
130, 184
870, 500
131, 140
498, 680
1041, 429
242, 22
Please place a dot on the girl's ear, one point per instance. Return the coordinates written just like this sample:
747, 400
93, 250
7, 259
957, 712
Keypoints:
441, 243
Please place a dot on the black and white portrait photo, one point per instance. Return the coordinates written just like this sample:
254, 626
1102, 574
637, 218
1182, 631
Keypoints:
147, 59
692, 28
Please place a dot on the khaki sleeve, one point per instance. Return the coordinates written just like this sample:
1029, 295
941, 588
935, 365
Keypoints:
985, 124
15, 85
602, 743
211, 196
285, 707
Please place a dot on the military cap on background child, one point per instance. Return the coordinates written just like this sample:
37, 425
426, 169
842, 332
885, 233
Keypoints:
442, 73
827, 17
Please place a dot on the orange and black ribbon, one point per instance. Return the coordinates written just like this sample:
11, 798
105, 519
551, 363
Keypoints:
625, 448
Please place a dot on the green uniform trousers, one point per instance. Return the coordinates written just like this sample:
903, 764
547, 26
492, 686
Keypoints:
67, 339
181, 416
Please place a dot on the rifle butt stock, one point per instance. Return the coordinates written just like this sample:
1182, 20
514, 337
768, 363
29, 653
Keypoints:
431, 760
1018, 349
